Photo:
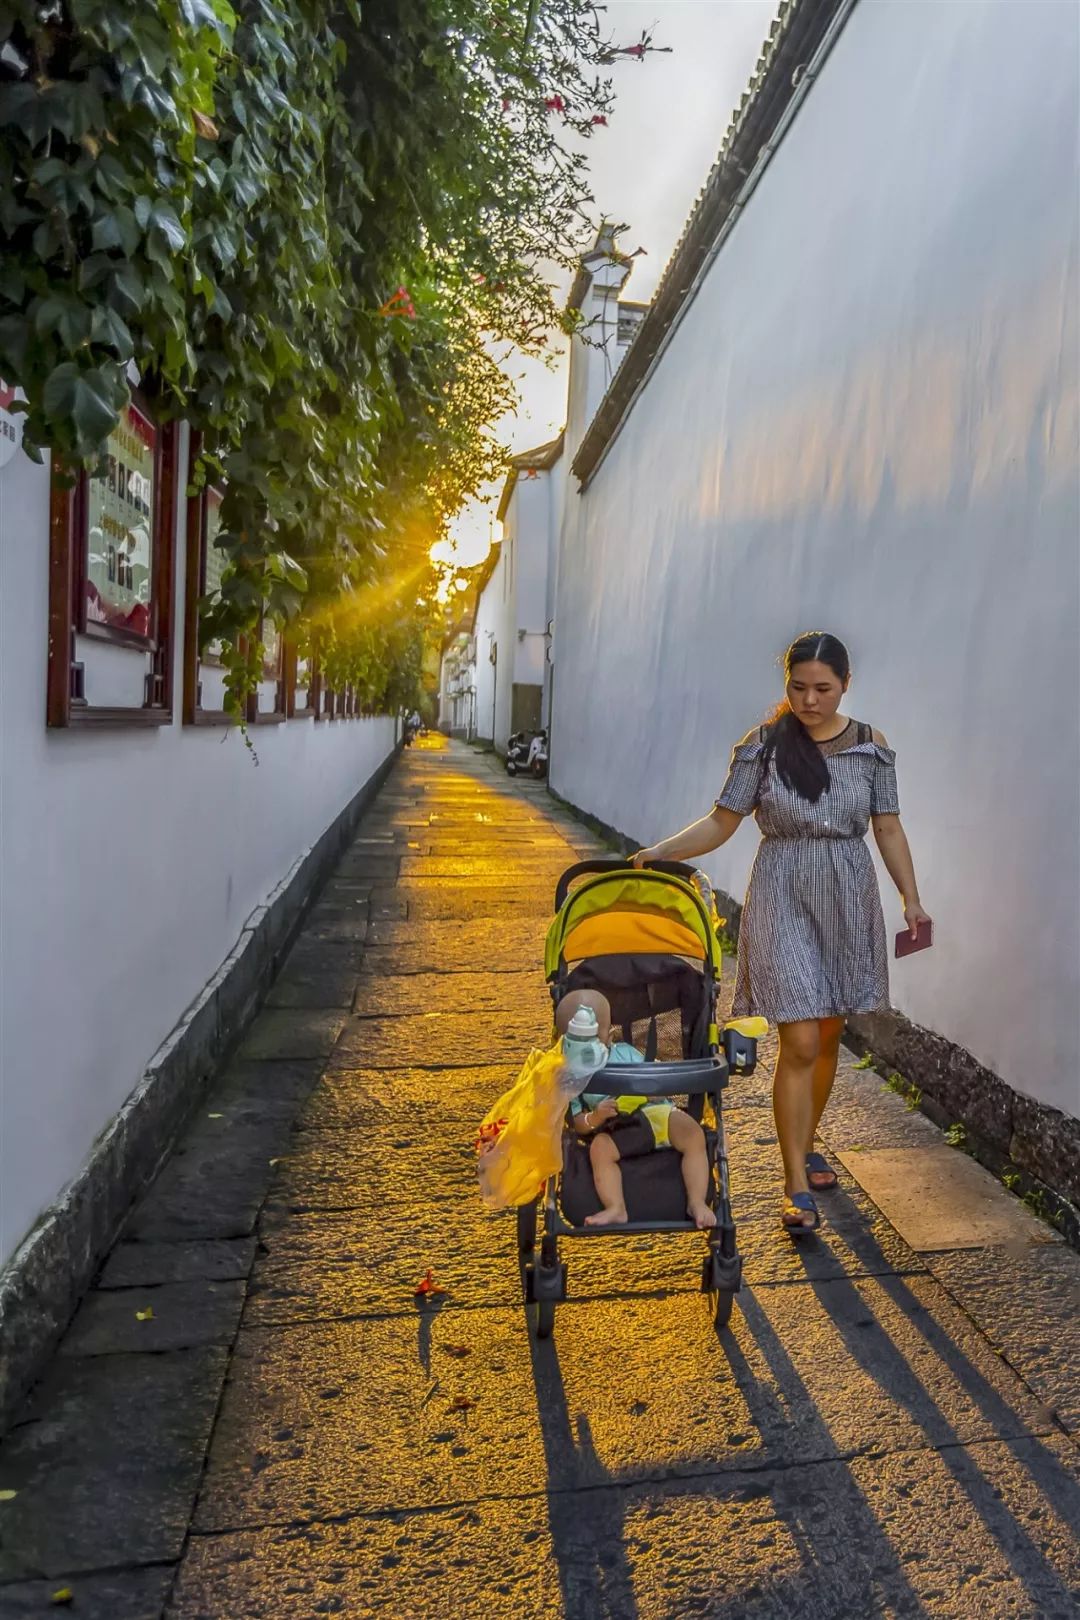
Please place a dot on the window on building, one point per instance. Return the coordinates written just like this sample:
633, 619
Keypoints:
630, 318
111, 554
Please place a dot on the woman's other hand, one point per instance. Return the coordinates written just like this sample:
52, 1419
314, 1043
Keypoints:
915, 916
644, 855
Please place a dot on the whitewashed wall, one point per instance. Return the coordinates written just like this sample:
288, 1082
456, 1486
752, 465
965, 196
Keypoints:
868, 422
532, 500
129, 863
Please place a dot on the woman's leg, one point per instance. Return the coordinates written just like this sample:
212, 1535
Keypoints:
830, 1031
604, 1158
688, 1139
793, 1100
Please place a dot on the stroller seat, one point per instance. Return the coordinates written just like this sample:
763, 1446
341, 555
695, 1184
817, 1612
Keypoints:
652, 1184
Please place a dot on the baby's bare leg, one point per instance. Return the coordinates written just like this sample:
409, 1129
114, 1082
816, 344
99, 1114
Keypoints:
687, 1136
604, 1157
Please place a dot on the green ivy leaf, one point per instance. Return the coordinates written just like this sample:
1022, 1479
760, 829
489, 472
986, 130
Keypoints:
112, 332
67, 317
85, 399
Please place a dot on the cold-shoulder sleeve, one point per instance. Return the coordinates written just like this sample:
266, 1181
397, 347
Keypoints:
884, 794
742, 789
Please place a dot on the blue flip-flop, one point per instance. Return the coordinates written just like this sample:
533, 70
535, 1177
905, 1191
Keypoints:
804, 1202
818, 1165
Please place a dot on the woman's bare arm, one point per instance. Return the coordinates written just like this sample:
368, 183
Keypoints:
700, 838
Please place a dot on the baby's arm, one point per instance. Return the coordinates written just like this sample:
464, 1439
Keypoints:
586, 1122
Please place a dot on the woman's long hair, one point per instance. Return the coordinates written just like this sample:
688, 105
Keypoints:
800, 764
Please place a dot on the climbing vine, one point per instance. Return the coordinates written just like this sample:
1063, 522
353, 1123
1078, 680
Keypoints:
306, 226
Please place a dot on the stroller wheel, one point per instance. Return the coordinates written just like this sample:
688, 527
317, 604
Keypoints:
722, 1308
545, 1318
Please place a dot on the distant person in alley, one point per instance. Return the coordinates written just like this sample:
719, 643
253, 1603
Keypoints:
812, 944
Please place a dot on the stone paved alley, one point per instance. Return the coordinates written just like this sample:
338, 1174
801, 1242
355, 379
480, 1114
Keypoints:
890, 1428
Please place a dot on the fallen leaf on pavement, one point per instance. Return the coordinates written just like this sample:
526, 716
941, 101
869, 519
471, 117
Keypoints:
215, 1116
456, 1350
64, 1594
145, 1316
8, 1496
462, 1403
427, 1286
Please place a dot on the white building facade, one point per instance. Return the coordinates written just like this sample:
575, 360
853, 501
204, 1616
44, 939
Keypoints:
151, 866
514, 618
854, 406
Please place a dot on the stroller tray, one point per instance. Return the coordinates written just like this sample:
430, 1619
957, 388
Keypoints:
653, 1185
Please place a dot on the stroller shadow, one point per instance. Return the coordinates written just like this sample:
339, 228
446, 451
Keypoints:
880, 1358
843, 1558
587, 1527
588, 1505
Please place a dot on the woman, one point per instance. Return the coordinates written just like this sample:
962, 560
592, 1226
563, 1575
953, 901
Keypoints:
812, 947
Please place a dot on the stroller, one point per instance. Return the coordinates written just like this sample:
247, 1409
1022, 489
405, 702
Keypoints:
648, 941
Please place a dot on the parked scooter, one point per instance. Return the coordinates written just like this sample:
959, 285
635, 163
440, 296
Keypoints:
537, 762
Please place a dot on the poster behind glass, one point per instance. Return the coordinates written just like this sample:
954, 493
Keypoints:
213, 563
120, 544
271, 640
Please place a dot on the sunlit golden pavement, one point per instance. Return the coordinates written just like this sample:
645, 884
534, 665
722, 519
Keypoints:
299, 1433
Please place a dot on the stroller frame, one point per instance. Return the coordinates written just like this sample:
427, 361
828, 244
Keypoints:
702, 1078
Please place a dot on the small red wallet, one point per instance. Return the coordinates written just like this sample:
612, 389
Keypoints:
906, 946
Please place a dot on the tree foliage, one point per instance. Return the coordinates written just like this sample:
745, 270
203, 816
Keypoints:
306, 224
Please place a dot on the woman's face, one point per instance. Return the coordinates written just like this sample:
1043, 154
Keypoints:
814, 692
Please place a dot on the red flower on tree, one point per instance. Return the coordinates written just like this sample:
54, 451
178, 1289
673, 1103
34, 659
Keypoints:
399, 303
555, 104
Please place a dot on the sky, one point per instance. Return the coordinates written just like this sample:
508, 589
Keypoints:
647, 169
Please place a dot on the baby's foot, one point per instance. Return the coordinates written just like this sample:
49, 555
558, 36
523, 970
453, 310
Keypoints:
702, 1216
615, 1216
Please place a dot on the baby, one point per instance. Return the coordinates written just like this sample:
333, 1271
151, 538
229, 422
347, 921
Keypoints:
641, 1126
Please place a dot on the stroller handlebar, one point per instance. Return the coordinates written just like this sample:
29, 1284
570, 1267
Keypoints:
616, 863
691, 1075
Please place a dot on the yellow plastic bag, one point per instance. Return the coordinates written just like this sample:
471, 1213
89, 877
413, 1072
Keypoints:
520, 1141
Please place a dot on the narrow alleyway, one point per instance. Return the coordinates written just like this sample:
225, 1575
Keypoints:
254, 1415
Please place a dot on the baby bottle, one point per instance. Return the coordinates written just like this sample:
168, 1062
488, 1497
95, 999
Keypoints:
583, 1050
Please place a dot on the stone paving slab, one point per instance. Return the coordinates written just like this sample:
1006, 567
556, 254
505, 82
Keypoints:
525, 863
1024, 1298
522, 911
439, 1042
106, 1457
339, 919
403, 1167
403, 946
210, 1188
137, 1265
810, 1373
316, 976
938, 1198
451, 993
292, 1033
129, 1594
830, 1541
114, 1321
272, 1087
863, 1113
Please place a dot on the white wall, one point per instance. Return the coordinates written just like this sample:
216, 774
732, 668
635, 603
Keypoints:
129, 863
488, 618
531, 504
868, 422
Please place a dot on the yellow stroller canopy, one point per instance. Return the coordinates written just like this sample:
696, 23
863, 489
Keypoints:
633, 913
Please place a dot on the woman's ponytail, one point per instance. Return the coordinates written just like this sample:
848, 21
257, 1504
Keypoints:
800, 763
